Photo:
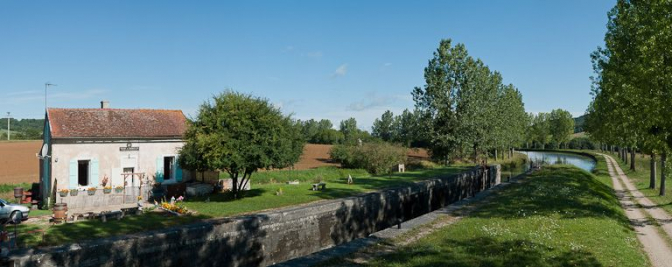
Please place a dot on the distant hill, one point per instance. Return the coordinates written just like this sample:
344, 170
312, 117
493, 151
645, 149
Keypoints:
578, 123
24, 129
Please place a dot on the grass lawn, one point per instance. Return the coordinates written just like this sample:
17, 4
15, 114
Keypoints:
263, 196
641, 178
560, 216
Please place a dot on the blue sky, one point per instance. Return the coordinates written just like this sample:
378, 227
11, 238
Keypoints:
314, 59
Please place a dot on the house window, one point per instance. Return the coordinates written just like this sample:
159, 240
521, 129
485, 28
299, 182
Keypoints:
128, 170
168, 167
83, 172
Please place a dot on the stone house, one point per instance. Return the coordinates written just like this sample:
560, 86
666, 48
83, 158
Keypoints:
129, 148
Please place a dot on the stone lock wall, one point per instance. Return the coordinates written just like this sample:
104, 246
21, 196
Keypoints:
271, 237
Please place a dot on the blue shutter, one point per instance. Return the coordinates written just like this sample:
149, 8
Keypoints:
159, 170
94, 171
73, 174
178, 170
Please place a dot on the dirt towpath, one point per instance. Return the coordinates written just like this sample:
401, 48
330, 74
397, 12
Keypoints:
644, 215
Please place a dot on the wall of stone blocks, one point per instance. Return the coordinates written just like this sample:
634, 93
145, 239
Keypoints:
269, 237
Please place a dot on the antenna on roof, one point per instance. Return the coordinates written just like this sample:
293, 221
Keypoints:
46, 85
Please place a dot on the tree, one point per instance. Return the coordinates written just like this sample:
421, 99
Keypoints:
464, 109
561, 126
383, 128
240, 134
630, 90
540, 130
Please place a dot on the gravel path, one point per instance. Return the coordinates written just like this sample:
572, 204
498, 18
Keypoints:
639, 210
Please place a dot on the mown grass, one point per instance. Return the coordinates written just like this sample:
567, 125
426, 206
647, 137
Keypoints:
560, 216
642, 175
263, 196
260, 197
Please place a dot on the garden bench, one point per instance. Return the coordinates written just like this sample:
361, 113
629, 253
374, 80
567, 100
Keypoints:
319, 186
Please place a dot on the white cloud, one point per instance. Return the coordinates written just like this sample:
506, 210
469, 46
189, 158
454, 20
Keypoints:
387, 64
340, 71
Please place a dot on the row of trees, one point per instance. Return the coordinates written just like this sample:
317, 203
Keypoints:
632, 87
464, 109
403, 129
550, 130
322, 132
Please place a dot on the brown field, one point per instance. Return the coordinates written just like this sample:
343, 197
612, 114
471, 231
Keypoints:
18, 163
318, 156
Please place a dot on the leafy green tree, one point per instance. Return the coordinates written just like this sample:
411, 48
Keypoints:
241, 134
540, 130
464, 109
405, 128
561, 126
631, 87
383, 128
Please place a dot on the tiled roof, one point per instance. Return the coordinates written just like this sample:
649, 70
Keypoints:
116, 123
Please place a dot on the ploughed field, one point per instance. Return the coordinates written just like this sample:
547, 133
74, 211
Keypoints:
18, 163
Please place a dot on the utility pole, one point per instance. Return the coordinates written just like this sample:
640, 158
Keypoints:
8, 119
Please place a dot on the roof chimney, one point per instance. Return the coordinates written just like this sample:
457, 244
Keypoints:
104, 104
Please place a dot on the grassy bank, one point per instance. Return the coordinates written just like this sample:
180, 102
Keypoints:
264, 196
560, 216
260, 197
641, 178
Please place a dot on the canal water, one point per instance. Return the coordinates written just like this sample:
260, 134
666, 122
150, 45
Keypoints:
546, 157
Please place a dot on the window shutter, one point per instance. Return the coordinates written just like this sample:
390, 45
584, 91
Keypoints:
178, 170
159, 170
93, 179
72, 182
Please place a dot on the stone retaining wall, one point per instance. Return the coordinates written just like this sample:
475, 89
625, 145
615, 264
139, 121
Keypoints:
267, 238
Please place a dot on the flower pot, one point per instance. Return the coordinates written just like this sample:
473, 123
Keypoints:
91, 192
63, 194
107, 190
73, 192
118, 190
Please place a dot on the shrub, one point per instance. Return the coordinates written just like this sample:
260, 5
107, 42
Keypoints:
377, 158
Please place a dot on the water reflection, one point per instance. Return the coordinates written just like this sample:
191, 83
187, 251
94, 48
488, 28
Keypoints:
544, 157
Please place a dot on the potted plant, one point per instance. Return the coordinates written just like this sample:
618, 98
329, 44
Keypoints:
73, 192
91, 191
107, 189
63, 192
118, 189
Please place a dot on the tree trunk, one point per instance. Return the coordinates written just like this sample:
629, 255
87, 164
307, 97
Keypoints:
234, 185
663, 173
632, 159
652, 183
496, 154
625, 156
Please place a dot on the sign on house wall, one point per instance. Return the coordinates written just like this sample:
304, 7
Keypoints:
129, 147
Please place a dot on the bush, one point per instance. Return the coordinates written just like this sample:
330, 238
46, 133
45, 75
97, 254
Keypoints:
377, 158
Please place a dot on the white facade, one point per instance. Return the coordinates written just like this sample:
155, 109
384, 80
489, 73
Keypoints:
111, 159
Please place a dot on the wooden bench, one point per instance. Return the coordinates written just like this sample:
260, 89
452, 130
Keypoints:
319, 186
